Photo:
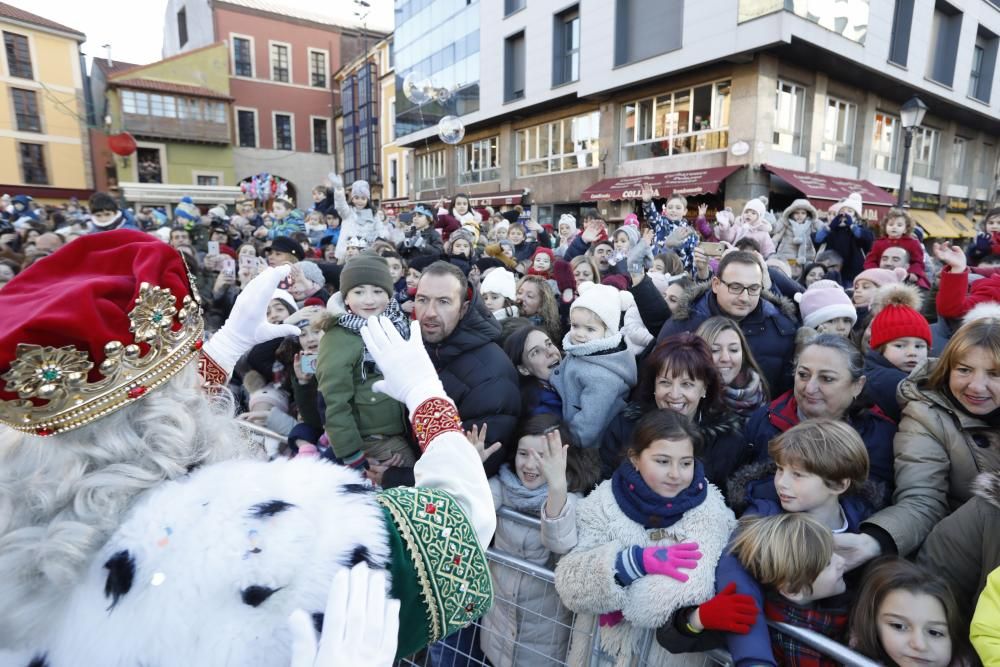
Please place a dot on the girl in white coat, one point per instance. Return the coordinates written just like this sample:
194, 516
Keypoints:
636, 532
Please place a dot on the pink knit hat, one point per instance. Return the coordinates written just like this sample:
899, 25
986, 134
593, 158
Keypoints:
879, 277
825, 300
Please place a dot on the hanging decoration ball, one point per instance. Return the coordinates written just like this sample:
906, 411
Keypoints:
415, 88
442, 95
122, 144
451, 130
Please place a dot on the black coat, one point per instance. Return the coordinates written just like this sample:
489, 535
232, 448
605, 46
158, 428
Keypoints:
481, 379
882, 380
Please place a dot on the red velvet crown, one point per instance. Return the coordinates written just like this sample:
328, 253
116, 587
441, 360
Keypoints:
93, 327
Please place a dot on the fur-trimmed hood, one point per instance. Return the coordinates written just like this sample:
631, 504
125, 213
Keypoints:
753, 483
798, 204
987, 487
771, 302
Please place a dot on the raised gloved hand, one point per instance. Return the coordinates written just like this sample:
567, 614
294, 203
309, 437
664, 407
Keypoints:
636, 562
729, 611
407, 371
247, 324
360, 624
336, 182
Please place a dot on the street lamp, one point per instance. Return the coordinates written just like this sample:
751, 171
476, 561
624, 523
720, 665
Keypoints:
911, 115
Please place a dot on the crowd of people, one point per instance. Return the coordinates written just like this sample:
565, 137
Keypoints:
788, 416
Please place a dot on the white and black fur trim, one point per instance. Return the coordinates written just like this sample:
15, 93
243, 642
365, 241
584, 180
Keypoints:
988, 310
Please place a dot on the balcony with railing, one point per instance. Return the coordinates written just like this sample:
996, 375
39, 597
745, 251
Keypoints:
176, 114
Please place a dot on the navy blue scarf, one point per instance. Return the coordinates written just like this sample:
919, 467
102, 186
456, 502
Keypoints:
645, 506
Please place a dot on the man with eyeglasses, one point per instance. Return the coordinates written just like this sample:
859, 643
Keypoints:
768, 321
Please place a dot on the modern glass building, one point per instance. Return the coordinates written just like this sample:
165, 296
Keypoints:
436, 47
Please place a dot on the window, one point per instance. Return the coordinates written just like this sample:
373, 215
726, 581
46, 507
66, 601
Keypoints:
321, 135
479, 161
513, 68
33, 164
182, 26
26, 110
945, 30
511, 6
283, 132
18, 55
562, 145
566, 47
317, 68
430, 171
215, 112
689, 120
646, 28
279, 63
242, 57
885, 141
393, 178
149, 165
959, 145
203, 179
838, 131
925, 148
164, 106
135, 102
246, 128
902, 22
984, 59
789, 106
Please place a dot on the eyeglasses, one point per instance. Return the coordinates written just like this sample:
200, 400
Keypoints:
737, 288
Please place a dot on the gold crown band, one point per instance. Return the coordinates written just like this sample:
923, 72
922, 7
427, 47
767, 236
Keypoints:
59, 375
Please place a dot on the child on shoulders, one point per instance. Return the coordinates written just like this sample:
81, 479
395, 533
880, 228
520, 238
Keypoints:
896, 231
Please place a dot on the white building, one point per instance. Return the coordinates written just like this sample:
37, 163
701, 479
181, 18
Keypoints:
575, 93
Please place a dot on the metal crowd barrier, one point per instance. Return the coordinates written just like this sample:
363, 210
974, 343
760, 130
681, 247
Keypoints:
464, 650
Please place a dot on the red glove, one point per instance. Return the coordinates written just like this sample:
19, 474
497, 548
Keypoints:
611, 619
729, 611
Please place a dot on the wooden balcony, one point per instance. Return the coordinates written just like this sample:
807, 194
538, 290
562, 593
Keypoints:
178, 129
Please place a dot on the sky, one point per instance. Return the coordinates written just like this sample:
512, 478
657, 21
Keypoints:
134, 28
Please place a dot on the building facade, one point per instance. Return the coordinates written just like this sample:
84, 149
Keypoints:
179, 112
365, 125
725, 100
280, 63
44, 141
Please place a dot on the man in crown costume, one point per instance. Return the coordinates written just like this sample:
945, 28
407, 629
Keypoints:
138, 526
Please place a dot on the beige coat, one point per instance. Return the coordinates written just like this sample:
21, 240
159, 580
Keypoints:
585, 577
939, 450
528, 626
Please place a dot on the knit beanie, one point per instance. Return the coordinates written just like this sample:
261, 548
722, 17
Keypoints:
267, 398
286, 299
631, 220
631, 232
542, 250
365, 269
361, 189
186, 210
825, 300
880, 277
312, 272
755, 205
567, 219
899, 316
485, 263
852, 201
603, 301
502, 224
499, 281
461, 233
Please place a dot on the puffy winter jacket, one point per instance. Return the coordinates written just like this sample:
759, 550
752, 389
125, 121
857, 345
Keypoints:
770, 329
939, 450
882, 380
955, 298
985, 630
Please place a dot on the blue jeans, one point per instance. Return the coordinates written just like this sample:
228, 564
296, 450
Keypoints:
459, 649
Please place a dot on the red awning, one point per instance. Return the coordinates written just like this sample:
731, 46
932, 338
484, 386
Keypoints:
691, 182
508, 198
832, 188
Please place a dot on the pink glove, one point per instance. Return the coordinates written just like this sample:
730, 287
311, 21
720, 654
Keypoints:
668, 560
610, 619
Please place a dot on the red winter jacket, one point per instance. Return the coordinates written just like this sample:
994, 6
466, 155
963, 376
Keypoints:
911, 246
955, 299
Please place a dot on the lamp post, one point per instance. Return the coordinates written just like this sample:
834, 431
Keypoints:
911, 114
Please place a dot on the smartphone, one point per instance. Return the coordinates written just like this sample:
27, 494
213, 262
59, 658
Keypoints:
246, 261
307, 362
711, 248
229, 267
213, 248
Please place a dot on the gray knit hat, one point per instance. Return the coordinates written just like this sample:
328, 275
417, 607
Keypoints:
312, 272
366, 269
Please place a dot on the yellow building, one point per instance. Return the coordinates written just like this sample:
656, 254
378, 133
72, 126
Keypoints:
44, 145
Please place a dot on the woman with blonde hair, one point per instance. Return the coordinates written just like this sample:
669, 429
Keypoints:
537, 302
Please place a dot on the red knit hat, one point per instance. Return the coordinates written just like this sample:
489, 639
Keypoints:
898, 317
542, 250
91, 328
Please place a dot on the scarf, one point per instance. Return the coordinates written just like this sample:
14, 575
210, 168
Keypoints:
802, 239
746, 399
648, 508
518, 497
353, 323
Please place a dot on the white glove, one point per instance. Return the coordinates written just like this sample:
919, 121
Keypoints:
247, 324
336, 182
409, 376
360, 624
